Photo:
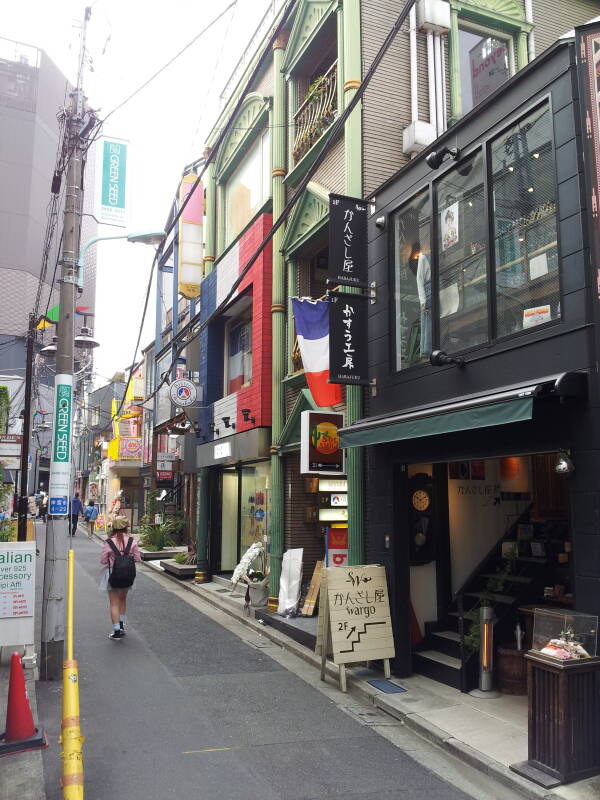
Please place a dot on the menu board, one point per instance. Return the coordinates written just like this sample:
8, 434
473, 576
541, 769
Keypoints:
17, 579
354, 618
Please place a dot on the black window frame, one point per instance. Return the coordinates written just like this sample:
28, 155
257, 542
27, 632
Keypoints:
484, 146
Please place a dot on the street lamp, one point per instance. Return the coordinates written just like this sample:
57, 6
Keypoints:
143, 237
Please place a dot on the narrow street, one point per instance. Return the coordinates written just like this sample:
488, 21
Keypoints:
183, 707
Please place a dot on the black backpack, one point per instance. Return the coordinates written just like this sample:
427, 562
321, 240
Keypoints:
122, 574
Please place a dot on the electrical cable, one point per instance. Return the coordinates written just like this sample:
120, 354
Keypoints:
333, 132
159, 71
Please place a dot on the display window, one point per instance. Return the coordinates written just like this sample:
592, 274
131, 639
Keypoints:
248, 188
488, 267
240, 512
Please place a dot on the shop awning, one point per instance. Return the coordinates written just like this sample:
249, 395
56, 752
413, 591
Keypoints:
512, 404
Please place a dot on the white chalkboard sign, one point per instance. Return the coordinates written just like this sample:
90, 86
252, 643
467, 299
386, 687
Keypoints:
354, 618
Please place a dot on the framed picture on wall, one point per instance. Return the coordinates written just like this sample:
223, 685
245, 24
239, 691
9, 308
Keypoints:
459, 470
477, 470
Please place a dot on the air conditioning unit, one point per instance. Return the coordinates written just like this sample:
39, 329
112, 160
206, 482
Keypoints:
433, 15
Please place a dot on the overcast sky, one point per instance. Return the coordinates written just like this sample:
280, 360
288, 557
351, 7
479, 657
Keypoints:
166, 123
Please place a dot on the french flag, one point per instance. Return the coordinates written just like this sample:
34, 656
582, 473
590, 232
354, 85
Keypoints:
312, 329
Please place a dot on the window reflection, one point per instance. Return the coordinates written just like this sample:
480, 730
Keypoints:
524, 190
412, 281
462, 256
484, 66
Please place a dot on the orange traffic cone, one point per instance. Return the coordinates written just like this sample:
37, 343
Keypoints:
20, 734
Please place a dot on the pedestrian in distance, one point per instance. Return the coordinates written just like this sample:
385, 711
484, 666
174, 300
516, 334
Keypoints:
38, 502
76, 512
31, 506
89, 515
44, 507
119, 554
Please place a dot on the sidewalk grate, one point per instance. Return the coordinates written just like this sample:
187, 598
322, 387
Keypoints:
387, 686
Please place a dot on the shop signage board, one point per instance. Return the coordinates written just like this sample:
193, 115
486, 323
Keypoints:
354, 618
347, 241
333, 514
333, 500
320, 452
191, 256
336, 549
348, 339
17, 592
10, 450
60, 461
587, 48
333, 485
183, 392
130, 447
111, 184
222, 450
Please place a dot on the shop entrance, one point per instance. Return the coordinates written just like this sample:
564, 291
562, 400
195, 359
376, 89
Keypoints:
483, 532
239, 512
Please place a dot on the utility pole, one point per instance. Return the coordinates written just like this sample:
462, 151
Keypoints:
60, 488
23, 505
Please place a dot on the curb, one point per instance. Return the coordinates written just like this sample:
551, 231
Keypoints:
489, 766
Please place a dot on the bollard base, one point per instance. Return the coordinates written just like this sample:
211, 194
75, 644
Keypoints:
487, 694
37, 742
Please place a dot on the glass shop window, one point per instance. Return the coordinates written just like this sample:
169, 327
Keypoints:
412, 281
525, 228
248, 188
486, 61
462, 256
239, 354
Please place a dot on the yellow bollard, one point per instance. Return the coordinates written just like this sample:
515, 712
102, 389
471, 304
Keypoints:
71, 738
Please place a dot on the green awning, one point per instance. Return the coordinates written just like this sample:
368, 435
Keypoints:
422, 424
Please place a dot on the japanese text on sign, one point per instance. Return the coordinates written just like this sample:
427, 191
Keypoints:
347, 338
359, 614
347, 240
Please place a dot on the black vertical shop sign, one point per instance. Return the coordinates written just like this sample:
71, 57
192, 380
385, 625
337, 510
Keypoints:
587, 43
348, 361
347, 241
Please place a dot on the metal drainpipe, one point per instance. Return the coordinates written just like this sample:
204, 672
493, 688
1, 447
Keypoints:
353, 175
278, 309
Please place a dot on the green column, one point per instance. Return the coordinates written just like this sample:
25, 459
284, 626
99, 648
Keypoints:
522, 54
292, 277
202, 516
278, 161
454, 68
210, 217
220, 189
352, 71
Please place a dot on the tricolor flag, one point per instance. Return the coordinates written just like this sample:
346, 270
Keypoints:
312, 329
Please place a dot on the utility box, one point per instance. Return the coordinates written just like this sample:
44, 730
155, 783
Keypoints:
433, 15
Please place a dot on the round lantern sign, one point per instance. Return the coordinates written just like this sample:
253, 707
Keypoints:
183, 392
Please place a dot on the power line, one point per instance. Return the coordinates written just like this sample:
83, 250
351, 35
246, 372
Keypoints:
335, 129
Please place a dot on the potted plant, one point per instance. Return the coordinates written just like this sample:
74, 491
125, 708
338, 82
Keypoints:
253, 571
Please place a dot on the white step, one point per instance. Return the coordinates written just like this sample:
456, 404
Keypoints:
452, 635
441, 658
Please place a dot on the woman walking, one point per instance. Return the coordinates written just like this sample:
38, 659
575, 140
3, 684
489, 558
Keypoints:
119, 554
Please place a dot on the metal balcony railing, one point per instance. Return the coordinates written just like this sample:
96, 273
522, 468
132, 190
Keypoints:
316, 113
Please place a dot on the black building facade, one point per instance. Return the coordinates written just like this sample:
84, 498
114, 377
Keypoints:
482, 252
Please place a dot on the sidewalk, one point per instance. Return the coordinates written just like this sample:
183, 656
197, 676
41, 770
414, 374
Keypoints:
487, 734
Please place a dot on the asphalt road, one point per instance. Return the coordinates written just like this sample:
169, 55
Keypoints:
182, 707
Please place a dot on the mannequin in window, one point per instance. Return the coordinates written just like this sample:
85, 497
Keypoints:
424, 292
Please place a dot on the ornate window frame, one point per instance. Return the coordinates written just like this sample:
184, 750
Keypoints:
505, 16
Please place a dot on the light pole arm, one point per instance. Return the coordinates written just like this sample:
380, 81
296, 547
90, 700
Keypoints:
83, 251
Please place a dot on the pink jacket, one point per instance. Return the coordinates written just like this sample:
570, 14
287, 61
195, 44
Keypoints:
107, 556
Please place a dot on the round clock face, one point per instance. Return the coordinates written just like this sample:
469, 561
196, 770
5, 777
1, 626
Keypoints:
421, 500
